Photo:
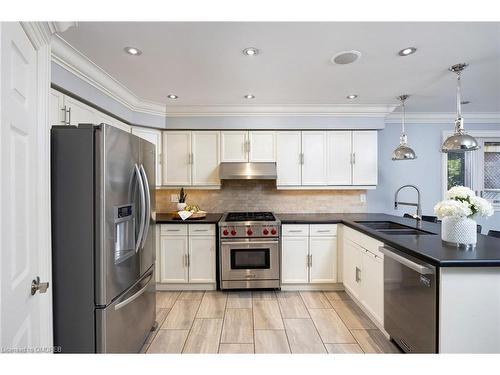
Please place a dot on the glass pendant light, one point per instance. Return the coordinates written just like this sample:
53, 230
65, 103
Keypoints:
403, 151
459, 141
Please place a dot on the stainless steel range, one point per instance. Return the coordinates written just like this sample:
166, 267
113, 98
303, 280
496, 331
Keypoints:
249, 250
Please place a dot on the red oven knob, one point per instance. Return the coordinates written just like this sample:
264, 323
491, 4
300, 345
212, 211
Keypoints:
233, 232
273, 231
249, 232
225, 232
266, 232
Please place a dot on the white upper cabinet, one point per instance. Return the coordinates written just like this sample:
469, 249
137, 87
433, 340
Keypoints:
79, 113
339, 167
177, 158
103, 118
234, 146
288, 158
364, 153
205, 150
262, 146
56, 110
153, 136
314, 151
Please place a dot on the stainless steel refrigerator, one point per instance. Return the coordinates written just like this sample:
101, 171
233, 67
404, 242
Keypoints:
103, 240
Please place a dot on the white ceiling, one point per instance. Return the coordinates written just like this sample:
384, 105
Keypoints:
203, 64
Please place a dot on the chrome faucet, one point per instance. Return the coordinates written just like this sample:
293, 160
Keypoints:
418, 216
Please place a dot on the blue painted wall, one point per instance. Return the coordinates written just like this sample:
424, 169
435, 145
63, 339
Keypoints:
425, 171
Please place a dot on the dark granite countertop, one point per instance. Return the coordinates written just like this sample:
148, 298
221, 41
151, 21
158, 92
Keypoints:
428, 248
168, 218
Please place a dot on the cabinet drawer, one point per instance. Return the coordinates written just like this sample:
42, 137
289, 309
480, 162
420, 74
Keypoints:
295, 230
322, 230
201, 229
174, 229
366, 242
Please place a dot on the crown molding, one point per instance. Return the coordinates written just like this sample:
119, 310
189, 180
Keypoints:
81, 66
40, 33
444, 118
326, 110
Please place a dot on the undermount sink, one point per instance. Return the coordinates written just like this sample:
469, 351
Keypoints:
392, 228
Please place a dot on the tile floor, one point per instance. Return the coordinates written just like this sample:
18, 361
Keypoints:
263, 322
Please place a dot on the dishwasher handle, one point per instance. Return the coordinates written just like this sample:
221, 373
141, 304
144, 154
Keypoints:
421, 269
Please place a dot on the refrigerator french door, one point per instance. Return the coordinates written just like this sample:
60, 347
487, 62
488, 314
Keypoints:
103, 239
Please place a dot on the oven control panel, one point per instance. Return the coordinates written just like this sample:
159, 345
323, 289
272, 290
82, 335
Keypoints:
254, 231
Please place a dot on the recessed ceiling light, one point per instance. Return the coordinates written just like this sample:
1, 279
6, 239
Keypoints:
352, 96
407, 51
133, 51
346, 57
249, 96
250, 51
172, 96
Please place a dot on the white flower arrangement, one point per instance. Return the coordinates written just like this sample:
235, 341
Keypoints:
463, 202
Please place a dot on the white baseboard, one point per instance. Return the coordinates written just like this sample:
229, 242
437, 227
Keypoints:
167, 287
306, 287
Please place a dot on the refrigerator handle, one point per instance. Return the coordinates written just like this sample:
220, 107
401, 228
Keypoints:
147, 217
143, 208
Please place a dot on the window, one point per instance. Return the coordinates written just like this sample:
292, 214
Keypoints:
479, 170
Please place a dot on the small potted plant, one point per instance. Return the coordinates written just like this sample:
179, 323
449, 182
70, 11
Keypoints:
457, 212
181, 205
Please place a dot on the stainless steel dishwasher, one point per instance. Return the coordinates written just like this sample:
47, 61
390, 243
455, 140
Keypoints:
410, 302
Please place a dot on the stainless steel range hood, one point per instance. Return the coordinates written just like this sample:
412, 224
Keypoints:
247, 171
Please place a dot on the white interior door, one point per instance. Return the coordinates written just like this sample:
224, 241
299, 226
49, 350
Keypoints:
262, 146
365, 151
176, 158
314, 158
153, 136
205, 145
339, 165
234, 147
288, 150
23, 195
323, 251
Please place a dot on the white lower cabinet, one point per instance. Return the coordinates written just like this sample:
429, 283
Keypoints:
187, 255
363, 272
309, 254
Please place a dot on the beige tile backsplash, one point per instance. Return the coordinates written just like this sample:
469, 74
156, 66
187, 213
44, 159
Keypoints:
262, 195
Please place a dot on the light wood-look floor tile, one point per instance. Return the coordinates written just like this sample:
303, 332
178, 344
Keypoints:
352, 315
236, 349
374, 341
182, 314
343, 349
267, 315
291, 305
330, 327
239, 300
238, 327
303, 337
191, 294
212, 305
166, 300
168, 341
263, 294
315, 300
271, 341
204, 336
335, 296
161, 314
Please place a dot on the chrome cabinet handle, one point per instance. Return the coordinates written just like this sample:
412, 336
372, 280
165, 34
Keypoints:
64, 112
173, 230
201, 230
295, 231
69, 116
188, 260
358, 275
37, 286
323, 231
353, 158
248, 146
190, 158
310, 261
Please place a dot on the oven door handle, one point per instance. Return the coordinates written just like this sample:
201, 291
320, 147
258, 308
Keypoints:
248, 242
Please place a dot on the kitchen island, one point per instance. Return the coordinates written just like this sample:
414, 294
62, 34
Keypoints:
462, 314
